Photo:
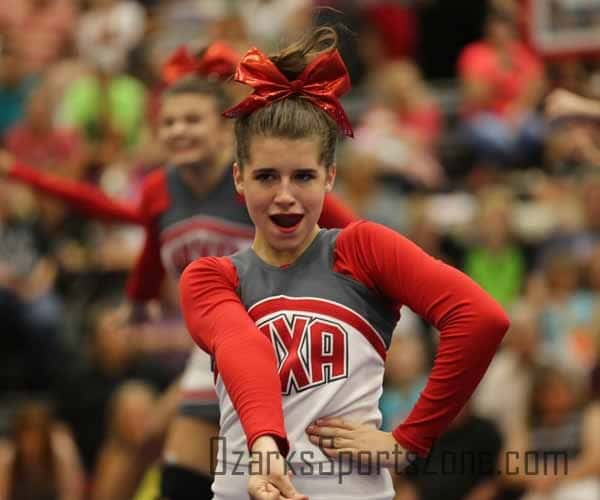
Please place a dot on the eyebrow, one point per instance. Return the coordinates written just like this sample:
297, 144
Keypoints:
262, 170
269, 170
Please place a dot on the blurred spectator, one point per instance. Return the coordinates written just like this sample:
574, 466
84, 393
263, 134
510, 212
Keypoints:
562, 103
401, 130
15, 88
399, 87
389, 33
268, 21
463, 462
579, 242
29, 360
36, 141
109, 31
567, 315
39, 461
573, 145
556, 453
40, 31
496, 261
570, 73
109, 110
574, 137
106, 104
425, 232
504, 390
359, 186
232, 29
128, 414
405, 377
28, 268
502, 84
87, 386
178, 22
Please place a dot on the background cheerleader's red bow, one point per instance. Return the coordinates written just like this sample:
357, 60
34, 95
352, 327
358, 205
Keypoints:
219, 59
322, 82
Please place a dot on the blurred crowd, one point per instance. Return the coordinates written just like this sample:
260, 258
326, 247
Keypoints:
452, 148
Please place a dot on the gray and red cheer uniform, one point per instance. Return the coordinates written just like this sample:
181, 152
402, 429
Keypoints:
180, 227
328, 318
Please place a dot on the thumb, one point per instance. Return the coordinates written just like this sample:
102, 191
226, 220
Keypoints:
286, 488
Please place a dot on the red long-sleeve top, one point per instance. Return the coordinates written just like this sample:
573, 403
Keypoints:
470, 322
148, 273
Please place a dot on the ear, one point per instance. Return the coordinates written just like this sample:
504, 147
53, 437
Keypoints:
238, 178
330, 177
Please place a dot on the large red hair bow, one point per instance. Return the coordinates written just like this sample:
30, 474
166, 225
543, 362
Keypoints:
219, 60
322, 82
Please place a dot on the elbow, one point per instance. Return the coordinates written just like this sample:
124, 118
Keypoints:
496, 322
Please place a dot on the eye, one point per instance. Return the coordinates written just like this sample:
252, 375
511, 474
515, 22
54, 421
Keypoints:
167, 122
305, 176
265, 177
193, 118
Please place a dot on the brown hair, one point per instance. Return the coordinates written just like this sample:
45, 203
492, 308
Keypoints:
200, 86
293, 117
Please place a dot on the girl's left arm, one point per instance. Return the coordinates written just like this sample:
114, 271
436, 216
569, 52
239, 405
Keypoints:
470, 322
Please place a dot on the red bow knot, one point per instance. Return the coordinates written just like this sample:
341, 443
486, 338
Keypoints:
324, 80
297, 85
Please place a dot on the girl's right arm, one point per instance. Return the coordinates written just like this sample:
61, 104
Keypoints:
244, 358
219, 323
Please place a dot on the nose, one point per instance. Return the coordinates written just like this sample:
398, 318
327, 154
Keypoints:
177, 128
284, 197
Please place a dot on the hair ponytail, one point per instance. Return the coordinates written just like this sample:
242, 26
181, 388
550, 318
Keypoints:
292, 60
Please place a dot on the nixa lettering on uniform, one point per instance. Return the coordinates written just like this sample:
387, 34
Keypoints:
310, 350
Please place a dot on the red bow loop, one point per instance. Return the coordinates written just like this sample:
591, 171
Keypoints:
219, 60
322, 82
181, 63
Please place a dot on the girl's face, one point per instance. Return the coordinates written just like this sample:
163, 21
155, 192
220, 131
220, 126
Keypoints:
284, 186
190, 129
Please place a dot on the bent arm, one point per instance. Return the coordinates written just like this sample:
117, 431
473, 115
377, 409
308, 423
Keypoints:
470, 322
244, 357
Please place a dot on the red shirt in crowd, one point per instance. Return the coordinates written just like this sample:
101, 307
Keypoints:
480, 62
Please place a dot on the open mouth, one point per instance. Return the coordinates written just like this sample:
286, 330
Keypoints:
286, 221
183, 145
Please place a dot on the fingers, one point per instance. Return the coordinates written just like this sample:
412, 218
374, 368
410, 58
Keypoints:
336, 422
328, 432
263, 490
337, 442
260, 489
285, 487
